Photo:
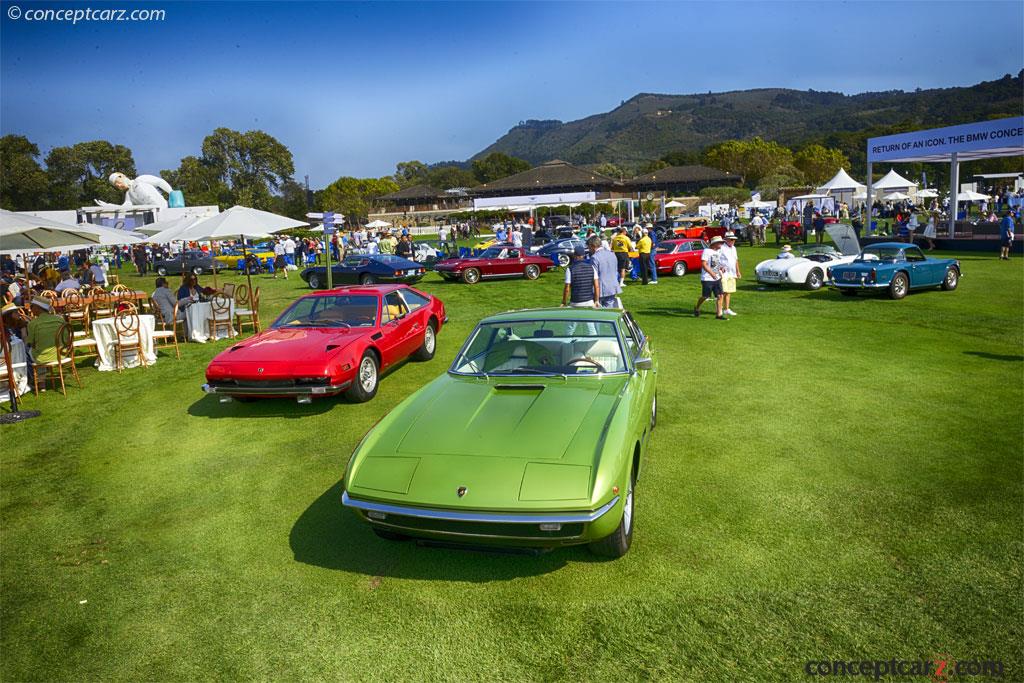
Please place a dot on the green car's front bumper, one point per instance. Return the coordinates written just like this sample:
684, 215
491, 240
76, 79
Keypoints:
544, 529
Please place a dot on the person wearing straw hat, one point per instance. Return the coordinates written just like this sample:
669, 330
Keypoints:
711, 270
731, 266
786, 252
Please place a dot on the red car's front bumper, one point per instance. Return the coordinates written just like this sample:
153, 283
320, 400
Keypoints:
278, 388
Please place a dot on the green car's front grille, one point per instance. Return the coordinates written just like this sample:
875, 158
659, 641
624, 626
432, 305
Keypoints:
489, 529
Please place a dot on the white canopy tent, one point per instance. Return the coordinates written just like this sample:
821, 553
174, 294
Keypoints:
894, 182
758, 204
896, 197
674, 205
970, 196
927, 193
820, 202
842, 186
378, 224
952, 144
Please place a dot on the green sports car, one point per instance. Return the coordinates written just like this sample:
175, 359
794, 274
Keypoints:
533, 438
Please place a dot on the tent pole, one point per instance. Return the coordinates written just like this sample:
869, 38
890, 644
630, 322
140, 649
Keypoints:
245, 262
867, 202
954, 188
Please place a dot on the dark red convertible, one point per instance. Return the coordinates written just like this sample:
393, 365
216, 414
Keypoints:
328, 342
494, 262
679, 257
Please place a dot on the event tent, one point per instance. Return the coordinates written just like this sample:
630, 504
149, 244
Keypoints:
970, 196
896, 197
820, 202
894, 182
841, 182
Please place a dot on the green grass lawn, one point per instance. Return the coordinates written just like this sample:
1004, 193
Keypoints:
831, 478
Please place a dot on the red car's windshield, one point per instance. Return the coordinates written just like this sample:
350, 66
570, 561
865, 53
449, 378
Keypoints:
339, 310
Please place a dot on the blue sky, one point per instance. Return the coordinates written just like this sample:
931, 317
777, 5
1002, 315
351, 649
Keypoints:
353, 88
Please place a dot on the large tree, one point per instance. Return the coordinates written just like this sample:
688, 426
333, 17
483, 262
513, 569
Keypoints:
498, 165
291, 201
753, 159
447, 177
409, 173
354, 197
79, 174
200, 181
253, 164
818, 164
22, 179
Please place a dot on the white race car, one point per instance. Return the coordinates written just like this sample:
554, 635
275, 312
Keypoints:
809, 263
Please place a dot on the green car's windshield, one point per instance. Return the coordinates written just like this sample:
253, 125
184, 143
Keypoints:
542, 347
330, 311
880, 254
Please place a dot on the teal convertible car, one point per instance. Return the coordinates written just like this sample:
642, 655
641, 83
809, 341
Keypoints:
534, 437
895, 267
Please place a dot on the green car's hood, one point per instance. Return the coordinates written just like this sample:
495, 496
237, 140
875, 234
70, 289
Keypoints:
510, 441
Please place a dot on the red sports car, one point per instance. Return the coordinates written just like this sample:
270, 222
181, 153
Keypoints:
499, 261
331, 341
679, 257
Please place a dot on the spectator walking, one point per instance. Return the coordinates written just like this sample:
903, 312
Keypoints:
621, 246
582, 288
711, 278
606, 266
652, 263
731, 267
280, 265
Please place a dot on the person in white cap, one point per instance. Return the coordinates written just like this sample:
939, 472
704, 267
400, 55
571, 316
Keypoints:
711, 278
787, 252
731, 265
41, 332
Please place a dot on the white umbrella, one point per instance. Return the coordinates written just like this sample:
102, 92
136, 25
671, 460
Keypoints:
378, 224
172, 229
242, 222
928, 194
23, 232
674, 205
896, 196
971, 196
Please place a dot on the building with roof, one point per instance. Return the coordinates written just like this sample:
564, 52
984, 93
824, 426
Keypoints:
552, 177
681, 180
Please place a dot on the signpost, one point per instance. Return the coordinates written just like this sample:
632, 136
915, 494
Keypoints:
330, 219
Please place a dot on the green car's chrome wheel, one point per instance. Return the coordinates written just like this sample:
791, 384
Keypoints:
618, 542
365, 385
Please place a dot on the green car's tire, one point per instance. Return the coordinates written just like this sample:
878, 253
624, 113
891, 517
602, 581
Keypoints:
389, 535
618, 542
898, 286
429, 345
367, 378
654, 412
951, 280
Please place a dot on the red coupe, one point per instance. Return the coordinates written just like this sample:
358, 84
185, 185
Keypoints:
328, 342
679, 257
499, 261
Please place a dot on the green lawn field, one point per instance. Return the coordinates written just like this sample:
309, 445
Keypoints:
831, 478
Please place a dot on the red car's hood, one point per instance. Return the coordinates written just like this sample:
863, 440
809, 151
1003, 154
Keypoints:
290, 345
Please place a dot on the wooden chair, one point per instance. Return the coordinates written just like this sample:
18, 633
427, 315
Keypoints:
246, 312
162, 333
65, 356
229, 289
119, 288
104, 304
220, 316
113, 279
75, 312
128, 328
50, 295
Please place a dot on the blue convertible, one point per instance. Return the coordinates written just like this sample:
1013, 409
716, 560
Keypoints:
896, 267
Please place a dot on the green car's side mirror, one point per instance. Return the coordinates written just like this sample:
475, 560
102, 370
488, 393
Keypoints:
643, 364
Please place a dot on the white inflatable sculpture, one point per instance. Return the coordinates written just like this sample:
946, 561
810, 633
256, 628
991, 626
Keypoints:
138, 192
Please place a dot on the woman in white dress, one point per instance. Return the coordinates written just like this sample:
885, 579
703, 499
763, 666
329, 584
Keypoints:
929, 231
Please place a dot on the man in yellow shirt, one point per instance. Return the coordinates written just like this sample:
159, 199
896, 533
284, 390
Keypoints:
621, 245
41, 332
643, 247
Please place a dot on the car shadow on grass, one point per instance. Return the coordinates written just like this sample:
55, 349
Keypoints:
995, 356
210, 406
330, 536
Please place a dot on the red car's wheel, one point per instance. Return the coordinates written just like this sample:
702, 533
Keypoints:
471, 276
364, 387
679, 269
531, 272
429, 345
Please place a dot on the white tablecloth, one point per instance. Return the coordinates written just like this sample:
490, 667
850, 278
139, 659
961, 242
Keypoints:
18, 360
105, 334
196, 316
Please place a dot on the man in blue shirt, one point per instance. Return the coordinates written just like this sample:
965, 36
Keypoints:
1006, 229
607, 266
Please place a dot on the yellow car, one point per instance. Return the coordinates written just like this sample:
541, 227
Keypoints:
229, 258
